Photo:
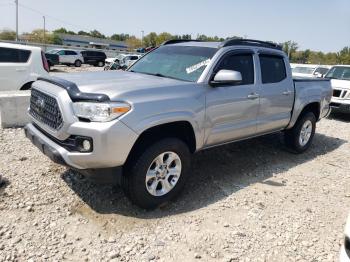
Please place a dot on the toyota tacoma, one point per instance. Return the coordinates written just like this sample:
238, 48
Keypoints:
140, 127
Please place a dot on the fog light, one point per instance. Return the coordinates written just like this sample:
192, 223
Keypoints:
86, 145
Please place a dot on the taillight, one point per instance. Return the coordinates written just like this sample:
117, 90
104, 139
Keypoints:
45, 63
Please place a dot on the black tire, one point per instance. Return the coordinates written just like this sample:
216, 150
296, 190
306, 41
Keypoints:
100, 63
292, 136
77, 63
133, 181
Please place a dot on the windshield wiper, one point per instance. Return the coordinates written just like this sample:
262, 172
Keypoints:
159, 75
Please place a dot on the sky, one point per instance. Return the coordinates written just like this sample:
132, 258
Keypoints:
314, 24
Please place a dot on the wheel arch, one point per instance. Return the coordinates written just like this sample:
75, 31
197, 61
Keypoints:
312, 106
27, 86
182, 130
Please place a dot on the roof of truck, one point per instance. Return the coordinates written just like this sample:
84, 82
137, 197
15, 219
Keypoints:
198, 43
228, 42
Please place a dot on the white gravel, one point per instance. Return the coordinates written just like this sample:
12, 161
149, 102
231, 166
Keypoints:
72, 69
249, 201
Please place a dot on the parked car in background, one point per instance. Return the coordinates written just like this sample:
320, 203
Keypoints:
68, 57
95, 58
52, 59
140, 126
116, 59
20, 66
310, 70
129, 60
345, 249
123, 62
340, 81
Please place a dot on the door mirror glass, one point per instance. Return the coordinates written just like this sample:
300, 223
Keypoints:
227, 77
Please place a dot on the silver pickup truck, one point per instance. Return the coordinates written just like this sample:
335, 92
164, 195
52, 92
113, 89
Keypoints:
140, 127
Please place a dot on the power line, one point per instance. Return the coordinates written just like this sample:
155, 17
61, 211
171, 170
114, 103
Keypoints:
52, 17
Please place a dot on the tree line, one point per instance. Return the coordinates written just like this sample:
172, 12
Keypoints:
153, 39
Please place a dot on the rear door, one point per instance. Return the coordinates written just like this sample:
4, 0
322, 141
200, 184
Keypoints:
276, 92
14, 68
231, 110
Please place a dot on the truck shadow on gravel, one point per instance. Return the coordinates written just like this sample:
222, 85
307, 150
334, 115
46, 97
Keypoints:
217, 173
340, 117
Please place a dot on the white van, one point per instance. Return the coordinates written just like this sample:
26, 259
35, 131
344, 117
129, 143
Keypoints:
20, 66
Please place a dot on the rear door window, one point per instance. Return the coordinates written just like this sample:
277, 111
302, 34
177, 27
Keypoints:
12, 55
273, 69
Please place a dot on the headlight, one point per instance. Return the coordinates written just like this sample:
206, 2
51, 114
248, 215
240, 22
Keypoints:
100, 112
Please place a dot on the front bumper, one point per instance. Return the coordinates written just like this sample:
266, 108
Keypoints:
340, 105
112, 143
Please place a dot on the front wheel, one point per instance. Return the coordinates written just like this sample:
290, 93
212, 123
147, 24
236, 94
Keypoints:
300, 137
77, 63
158, 173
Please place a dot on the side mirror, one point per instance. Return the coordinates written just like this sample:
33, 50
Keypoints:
225, 77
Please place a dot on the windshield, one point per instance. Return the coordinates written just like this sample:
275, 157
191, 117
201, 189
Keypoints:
339, 72
185, 63
303, 70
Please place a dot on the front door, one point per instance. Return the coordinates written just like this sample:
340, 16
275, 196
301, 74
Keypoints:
231, 110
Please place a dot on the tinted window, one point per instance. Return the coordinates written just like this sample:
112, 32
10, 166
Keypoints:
70, 53
273, 69
242, 63
62, 52
134, 58
10, 55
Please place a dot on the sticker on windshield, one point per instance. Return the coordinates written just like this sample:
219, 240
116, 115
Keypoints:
195, 67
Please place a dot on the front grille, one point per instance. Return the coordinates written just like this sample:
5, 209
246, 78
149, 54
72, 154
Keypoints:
336, 93
45, 109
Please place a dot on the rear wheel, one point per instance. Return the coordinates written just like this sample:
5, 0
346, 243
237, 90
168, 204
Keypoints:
158, 173
77, 63
100, 63
300, 137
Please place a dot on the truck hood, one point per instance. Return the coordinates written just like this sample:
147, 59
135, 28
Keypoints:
340, 84
115, 84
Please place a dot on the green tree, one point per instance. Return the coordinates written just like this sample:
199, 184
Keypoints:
97, 34
120, 37
61, 30
7, 35
133, 42
162, 37
81, 32
150, 39
290, 48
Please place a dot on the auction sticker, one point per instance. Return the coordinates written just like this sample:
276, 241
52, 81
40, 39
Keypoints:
195, 67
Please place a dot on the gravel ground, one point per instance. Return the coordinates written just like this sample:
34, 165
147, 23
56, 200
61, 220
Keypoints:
73, 69
249, 201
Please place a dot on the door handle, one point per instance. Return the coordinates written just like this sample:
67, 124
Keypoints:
287, 93
20, 69
253, 96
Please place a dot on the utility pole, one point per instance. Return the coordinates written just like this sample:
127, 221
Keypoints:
44, 28
142, 33
16, 2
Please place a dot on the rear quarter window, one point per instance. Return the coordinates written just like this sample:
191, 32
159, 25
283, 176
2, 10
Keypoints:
273, 69
12, 55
